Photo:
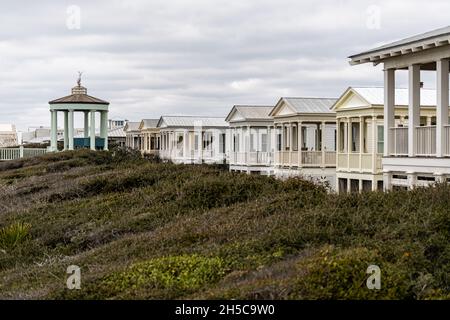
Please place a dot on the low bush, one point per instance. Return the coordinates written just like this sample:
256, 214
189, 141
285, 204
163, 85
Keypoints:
14, 234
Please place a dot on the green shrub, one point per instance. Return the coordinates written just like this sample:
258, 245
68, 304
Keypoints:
14, 234
341, 274
183, 273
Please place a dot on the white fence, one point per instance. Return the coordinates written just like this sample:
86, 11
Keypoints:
20, 152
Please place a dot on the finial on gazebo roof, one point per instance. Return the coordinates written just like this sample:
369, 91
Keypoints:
79, 78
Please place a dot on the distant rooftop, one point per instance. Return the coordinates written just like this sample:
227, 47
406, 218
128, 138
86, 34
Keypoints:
247, 112
191, 121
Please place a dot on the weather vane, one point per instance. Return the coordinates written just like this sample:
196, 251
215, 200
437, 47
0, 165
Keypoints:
79, 78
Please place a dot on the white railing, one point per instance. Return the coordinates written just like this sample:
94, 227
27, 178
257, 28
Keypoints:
447, 140
21, 152
330, 158
426, 141
312, 158
399, 146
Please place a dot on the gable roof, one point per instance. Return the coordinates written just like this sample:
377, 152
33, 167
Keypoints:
423, 41
118, 132
191, 121
132, 126
375, 96
247, 112
148, 123
306, 105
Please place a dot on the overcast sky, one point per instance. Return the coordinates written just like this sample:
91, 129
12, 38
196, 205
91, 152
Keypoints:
200, 57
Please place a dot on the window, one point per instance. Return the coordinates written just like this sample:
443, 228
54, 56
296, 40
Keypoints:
252, 142
380, 139
279, 137
264, 142
295, 138
152, 143
222, 143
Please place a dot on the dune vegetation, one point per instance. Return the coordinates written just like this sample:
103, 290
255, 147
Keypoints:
142, 229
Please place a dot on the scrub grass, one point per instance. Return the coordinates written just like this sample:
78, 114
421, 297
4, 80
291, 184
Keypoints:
142, 229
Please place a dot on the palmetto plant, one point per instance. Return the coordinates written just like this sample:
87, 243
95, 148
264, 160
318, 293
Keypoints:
14, 234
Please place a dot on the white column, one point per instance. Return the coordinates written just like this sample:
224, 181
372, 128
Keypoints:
442, 88
54, 130
413, 108
185, 143
300, 144
412, 179
66, 130
349, 141
104, 128
375, 144
387, 181
291, 142
389, 108
322, 143
92, 131
361, 140
70, 122
86, 124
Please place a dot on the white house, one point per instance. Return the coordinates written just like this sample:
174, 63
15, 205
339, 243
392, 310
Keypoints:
305, 139
252, 139
8, 135
193, 139
133, 135
359, 113
150, 136
414, 155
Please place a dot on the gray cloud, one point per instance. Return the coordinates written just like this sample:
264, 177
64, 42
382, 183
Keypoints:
193, 57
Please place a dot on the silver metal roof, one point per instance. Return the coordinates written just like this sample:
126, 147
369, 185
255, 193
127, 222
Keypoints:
251, 112
424, 41
149, 123
311, 105
191, 121
132, 126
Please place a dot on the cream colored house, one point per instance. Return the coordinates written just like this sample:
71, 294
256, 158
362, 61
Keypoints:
416, 155
150, 134
305, 139
193, 139
134, 135
360, 135
252, 139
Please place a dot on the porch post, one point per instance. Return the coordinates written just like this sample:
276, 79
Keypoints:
300, 144
389, 109
291, 142
104, 128
54, 130
70, 129
413, 108
375, 144
322, 144
442, 88
361, 140
66, 130
92, 131
86, 124
349, 140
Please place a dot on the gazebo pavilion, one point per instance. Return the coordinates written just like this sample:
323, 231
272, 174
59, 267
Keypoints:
79, 101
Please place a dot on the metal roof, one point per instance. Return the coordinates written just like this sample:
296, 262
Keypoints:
375, 96
427, 40
118, 132
310, 105
191, 121
132, 126
149, 123
251, 112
